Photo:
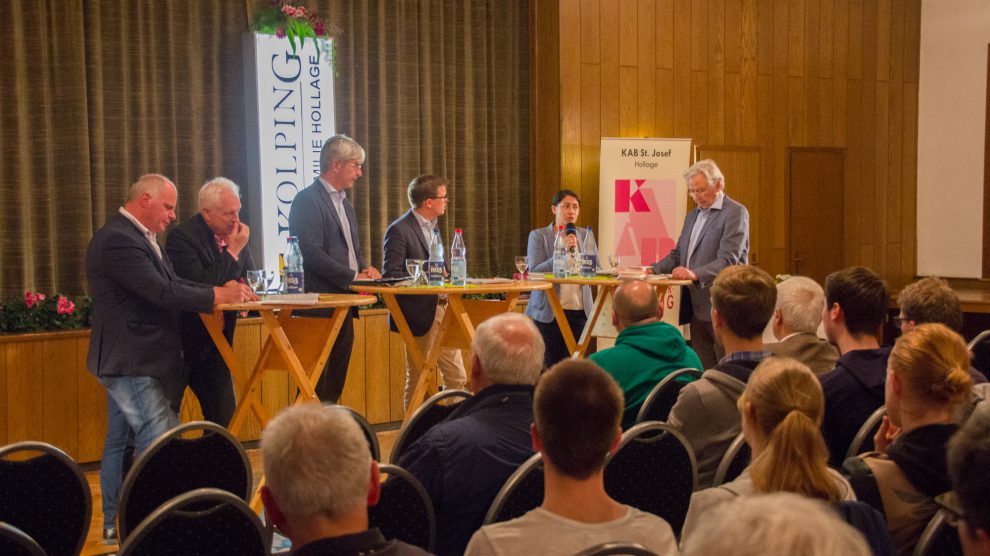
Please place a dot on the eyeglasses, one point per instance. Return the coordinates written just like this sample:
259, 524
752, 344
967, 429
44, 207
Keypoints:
899, 321
697, 191
444, 197
354, 165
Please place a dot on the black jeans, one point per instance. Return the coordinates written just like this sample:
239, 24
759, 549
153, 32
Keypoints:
554, 340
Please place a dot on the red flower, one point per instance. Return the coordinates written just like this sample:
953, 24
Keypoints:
280, 32
65, 306
319, 29
30, 299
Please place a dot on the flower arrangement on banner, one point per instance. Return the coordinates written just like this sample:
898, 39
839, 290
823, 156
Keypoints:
295, 23
36, 312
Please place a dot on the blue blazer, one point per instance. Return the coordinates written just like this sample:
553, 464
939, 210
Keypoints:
314, 220
404, 240
136, 302
540, 254
724, 241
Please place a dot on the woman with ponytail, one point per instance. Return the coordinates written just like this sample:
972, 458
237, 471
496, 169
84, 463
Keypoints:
782, 408
927, 375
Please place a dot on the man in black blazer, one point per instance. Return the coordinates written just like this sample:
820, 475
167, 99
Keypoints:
135, 350
409, 238
715, 235
324, 221
211, 248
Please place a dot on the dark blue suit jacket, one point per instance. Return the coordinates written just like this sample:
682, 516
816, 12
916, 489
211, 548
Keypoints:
314, 220
404, 240
136, 302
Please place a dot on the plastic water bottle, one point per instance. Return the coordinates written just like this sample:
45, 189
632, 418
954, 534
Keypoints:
435, 265
458, 260
560, 254
295, 281
589, 259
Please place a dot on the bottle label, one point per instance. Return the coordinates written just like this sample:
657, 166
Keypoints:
560, 265
294, 281
436, 273
458, 272
589, 265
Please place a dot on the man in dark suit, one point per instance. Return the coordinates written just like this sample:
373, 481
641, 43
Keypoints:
409, 238
715, 235
135, 349
324, 221
211, 248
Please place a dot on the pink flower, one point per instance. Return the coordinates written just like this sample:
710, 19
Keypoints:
39, 297
280, 32
65, 306
289, 10
29, 299
319, 29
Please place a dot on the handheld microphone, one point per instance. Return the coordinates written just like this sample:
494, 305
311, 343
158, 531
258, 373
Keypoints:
570, 229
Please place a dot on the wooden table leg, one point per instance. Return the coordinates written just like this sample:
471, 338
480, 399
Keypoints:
243, 384
421, 392
604, 292
558, 313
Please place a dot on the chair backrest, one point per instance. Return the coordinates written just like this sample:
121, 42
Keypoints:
205, 522
870, 523
404, 510
369, 433
653, 470
939, 538
45, 494
433, 410
173, 465
863, 441
980, 348
615, 548
14, 542
734, 461
522, 492
657, 405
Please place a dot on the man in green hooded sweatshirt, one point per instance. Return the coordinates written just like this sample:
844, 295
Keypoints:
646, 350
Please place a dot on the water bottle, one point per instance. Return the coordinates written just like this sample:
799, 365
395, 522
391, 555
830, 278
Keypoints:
560, 254
589, 258
295, 281
435, 265
458, 260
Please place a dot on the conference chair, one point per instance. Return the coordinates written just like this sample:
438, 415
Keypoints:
939, 538
863, 441
173, 465
404, 510
204, 522
734, 461
980, 348
14, 542
657, 405
615, 548
433, 410
870, 523
653, 469
44, 493
521, 492
369, 433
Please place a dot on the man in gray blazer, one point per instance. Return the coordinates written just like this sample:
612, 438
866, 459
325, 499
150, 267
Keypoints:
715, 235
795, 322
135, 350
409, 238
323, 219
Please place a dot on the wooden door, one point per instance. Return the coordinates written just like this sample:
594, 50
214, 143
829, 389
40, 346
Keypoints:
816, 185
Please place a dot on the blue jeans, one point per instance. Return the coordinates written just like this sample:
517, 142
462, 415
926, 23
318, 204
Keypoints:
139, 408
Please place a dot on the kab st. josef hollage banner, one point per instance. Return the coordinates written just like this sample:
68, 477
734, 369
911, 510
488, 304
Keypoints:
642, 206
289, 111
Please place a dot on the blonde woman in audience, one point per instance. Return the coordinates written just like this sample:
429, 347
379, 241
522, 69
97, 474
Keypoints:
927, 374
781, 409
780, 524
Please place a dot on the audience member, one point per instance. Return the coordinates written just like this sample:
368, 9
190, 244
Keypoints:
969, 460
320, 480
135, 350
646, 350
927, 374
779, 524
856, 303
781, 412
743, 298
409, 237
211, 248
800, 304
577, 408
463, 461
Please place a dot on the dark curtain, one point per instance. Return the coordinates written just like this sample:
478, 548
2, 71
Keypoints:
97, 92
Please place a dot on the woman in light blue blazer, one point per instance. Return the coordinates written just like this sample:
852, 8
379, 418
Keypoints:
577, 300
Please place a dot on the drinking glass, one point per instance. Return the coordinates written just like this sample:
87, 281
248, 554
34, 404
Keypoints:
613, 261
415, 269
522, 265
256, 280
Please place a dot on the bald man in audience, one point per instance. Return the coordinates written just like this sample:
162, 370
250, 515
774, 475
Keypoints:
320, 480
646, 350
577, 407
800, 303
464, 460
